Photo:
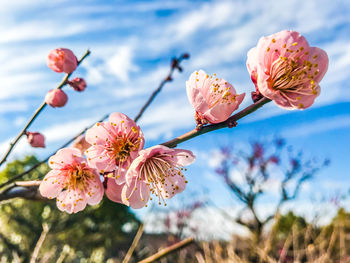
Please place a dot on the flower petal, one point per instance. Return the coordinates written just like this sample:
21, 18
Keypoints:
71, 201
63, 157
52, 184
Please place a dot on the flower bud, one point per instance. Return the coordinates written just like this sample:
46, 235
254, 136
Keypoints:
56, 98
36, 139
81, 144
78, 84
62, 60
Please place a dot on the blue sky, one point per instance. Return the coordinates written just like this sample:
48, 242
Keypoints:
132, 43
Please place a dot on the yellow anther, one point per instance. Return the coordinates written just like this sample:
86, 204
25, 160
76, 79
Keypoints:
273, 40
295, 43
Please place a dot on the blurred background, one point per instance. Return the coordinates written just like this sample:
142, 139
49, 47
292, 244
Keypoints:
280, 179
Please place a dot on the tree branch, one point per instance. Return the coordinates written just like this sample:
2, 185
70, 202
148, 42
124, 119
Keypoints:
228, 123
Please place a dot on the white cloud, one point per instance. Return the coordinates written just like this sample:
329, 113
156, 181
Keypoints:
121, 64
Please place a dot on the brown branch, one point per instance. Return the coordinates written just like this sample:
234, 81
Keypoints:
27, 192
173, 143
37, 112
228, 123
164, 252
134, 244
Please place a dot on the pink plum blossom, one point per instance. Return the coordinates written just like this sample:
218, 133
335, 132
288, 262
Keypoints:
71, 181
56, 98
78, 84
114, 144
287, 70
62, 60
213, 99
36, 139
157, 170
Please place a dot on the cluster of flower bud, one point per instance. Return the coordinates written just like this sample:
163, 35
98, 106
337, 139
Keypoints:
59, 60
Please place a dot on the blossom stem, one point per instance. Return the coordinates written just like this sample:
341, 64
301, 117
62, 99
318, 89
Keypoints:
228, 123
37, 112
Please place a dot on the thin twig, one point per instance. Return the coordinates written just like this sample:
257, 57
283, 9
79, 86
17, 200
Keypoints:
37, 112
164, 252
134, 244
174, 65
39, 243
228, 123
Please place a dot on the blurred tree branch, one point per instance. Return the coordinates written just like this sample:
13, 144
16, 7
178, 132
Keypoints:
255, 169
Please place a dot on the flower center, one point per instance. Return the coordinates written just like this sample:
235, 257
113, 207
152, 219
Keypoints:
160, 175
79, 177
120, 149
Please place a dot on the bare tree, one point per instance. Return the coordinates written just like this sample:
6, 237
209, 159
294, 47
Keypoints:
247, 175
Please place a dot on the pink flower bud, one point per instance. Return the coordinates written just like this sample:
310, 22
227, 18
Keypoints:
213, 99
78, 84
56, 98
36, 139
62, 60
81, 144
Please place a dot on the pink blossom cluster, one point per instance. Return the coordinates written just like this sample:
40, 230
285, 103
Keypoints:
283, 67
130, 174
